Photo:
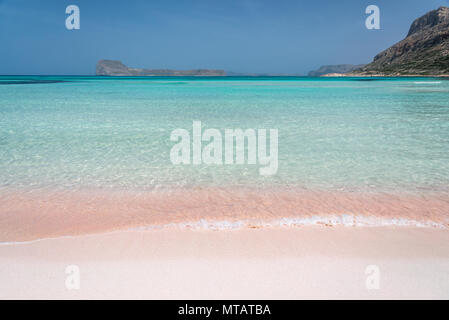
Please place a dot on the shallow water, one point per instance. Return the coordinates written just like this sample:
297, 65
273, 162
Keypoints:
91, 132
351, 135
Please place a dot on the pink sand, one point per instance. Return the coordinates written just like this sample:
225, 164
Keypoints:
274, 263
320, 252
35, 215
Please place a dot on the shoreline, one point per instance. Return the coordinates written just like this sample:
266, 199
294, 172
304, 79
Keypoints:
26, 216
231, 76
305, 263
211, 226
349, 75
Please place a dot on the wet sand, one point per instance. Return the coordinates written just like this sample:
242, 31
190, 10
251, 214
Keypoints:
28, 216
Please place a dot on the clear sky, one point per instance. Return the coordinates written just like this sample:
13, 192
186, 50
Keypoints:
252, 36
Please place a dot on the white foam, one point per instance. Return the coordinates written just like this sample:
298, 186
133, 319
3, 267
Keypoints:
345, 220
427, 82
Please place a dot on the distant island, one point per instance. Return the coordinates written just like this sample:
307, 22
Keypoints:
334, 69
117, 68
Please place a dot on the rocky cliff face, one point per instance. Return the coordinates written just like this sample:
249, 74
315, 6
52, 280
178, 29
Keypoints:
429, 20
424, 51
117, 68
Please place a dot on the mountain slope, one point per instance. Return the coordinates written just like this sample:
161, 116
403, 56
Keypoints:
424, 51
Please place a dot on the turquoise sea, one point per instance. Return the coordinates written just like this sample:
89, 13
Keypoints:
350, 134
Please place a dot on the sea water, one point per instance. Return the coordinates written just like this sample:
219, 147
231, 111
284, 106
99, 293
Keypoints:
352, 134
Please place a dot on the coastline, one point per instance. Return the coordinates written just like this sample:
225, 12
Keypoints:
343, 75
310, 262
210, 162
71, 198
28, 216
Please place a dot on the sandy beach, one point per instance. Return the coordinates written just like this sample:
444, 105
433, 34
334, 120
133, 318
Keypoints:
175, 150
224, 244
275, 263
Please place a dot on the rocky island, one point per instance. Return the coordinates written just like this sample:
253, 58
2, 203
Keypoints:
117, 68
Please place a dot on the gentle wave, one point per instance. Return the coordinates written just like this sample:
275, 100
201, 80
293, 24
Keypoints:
427, 82
35, 215
343, 220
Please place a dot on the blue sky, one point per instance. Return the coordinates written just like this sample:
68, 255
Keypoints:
252, 36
